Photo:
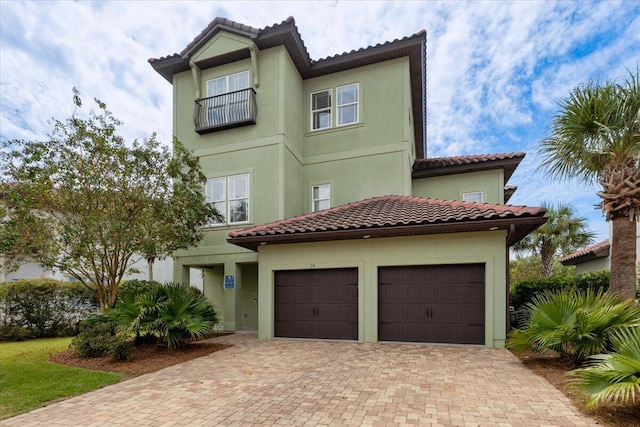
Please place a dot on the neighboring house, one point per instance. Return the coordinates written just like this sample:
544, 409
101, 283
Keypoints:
162, 272
363, 238
596, 257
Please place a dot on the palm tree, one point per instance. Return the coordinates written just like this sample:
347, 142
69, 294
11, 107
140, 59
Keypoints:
596, 137
562, 234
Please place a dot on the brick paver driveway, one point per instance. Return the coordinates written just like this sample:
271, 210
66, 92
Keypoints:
300, 382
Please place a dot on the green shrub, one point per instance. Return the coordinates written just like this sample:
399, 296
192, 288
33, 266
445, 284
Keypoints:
524, 292
574, 323
173, 312
98, 337
45, 307
134, 287
612, 377
14, 333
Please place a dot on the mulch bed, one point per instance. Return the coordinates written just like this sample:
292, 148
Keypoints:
146, 358
553, 369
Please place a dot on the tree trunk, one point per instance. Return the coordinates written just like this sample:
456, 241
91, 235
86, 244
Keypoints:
623, 258
150, 267
547, 262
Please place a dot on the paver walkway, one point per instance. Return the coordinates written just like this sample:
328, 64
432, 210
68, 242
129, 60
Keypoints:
303, 382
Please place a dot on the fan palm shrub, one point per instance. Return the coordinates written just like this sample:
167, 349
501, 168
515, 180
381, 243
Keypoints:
615, 376
171, 312
574, 323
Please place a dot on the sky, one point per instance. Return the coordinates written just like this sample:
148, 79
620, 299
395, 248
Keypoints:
495, 70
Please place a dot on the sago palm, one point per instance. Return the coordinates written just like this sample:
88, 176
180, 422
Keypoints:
614, 376
563, 233
596, 138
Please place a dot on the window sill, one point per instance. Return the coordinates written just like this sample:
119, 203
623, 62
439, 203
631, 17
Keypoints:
334, 129
227, 226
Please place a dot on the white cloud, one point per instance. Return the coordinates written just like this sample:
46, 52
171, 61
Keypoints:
494, 69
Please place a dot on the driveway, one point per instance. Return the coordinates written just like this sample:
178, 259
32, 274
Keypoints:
301, 382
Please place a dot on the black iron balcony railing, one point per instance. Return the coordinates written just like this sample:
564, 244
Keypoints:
225, 111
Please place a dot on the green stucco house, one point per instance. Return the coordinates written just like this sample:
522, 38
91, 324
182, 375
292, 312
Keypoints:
337, 225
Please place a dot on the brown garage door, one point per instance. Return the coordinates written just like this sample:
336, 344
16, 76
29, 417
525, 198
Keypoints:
319, 303
431, 303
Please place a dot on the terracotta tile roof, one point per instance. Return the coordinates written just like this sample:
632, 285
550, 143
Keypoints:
438, 166
286, 34
392, 215
598, 250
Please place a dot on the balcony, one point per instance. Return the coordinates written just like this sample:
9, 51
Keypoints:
225, 111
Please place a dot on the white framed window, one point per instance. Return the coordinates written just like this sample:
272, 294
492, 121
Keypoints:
347, 104
473, 196
230, 197
321, 110
320, 197
224, 105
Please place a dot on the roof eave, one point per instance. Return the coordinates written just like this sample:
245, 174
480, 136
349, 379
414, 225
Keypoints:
509, 166
522, 227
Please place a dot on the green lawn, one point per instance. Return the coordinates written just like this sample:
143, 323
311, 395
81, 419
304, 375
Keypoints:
27, 380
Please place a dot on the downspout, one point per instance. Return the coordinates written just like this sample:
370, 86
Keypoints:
510, 234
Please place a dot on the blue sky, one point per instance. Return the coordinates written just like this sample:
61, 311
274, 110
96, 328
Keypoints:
495, 70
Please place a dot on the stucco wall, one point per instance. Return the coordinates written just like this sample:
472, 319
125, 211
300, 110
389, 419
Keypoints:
368, 254
451, 187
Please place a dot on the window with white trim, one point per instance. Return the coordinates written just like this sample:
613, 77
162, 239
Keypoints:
320, 197
347, 104
225, 109
346, 108
230, 197
321, 110
474, 196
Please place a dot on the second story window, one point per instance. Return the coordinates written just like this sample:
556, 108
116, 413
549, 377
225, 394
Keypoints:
347, 104
321, 110
320, 197
474, 196
230, 197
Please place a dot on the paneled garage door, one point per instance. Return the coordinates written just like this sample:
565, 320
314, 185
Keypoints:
431, 303
319, 303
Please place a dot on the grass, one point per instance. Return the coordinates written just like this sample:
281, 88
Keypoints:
28, 381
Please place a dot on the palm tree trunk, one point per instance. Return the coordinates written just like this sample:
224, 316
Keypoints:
150, 267
623, 258
547, 262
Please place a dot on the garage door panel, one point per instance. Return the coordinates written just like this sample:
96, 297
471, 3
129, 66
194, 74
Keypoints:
440, 303
319, 303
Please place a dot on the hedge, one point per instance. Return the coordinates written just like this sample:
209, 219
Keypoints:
34, 308
523, 292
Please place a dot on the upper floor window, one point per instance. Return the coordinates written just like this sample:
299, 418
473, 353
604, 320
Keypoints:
347, 104
347, 108
226, 100
474, 196
321, 110
320, 197
230, 197
226, 84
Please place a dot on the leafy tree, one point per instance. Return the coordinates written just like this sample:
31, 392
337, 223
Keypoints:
562, 234
86, 203
596, 137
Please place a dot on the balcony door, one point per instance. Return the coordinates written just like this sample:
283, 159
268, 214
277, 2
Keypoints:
228, 103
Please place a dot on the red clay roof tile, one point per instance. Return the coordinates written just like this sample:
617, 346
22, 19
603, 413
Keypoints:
388, 212
598, 250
